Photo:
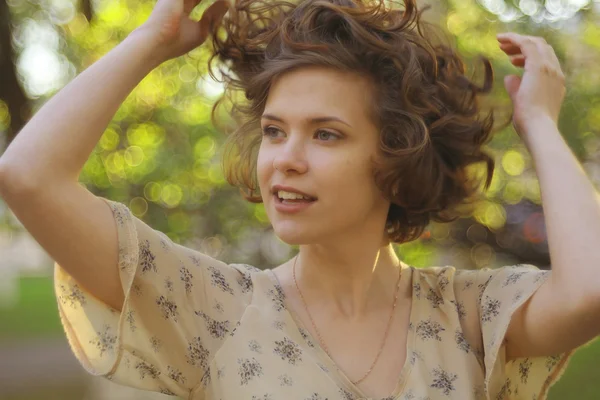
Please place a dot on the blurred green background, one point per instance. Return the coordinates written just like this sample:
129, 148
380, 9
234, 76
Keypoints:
161, 156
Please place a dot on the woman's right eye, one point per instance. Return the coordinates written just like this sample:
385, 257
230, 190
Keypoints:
271, 132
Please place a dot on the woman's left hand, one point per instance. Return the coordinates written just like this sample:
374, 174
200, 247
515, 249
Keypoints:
539, 93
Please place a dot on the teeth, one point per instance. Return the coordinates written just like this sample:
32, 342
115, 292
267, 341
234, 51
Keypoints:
291, 196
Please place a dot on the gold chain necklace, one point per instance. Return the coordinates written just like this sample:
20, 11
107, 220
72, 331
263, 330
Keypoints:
387, 329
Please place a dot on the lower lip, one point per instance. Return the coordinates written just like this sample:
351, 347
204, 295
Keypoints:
290, 208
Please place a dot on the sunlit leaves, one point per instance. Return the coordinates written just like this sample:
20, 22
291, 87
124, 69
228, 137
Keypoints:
490, 214
114, 14
514, 191
145, 135
138, 206
94, 172
204, 148
418, 253
151, 91
593, 116
4, 116
77, 25
179, 222
171, 195
134, 156
152, 191
162, 152
260, 213
194, 111
513, 163
109, 140
140, 11
591, 34
115, 166
215, 174
187, 73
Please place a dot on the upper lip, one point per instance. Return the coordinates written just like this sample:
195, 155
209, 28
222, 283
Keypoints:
277, 188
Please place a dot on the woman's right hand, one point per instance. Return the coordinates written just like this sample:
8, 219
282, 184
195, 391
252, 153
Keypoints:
174, 33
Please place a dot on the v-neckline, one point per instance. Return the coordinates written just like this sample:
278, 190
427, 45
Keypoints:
334, 370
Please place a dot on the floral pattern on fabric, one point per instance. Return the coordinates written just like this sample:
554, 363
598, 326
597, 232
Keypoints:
198, 328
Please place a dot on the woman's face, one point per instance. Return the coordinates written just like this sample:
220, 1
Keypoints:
319, 140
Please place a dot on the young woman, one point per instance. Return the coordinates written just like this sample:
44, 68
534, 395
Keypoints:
356, 130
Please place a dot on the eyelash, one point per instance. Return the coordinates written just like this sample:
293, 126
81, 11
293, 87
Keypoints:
265, 132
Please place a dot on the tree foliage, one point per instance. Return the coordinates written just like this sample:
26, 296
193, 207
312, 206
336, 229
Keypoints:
161, 156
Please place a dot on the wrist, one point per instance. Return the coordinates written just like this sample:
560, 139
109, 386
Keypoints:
146, 47
532, 124
538, 129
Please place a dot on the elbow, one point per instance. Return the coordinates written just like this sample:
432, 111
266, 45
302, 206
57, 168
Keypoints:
588, 308
594, 300
579, 291
13, 183
590, 297
4, 177
591, 315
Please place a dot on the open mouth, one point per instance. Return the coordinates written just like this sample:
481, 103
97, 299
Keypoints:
293, 200
288, 200
283, 197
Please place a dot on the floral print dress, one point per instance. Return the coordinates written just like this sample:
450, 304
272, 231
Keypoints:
198, 328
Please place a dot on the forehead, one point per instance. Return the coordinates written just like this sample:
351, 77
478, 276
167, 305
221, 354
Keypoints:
311, 91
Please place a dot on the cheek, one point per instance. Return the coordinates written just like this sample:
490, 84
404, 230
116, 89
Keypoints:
355, 180
355, 171
262, 167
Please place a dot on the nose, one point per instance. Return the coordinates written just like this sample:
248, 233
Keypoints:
290, 157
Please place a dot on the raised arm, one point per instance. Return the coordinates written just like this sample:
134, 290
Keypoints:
40, 169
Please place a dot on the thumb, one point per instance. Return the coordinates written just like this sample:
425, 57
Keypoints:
512, 84
211, 18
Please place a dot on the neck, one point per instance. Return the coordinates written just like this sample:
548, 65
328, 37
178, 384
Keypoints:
353, 280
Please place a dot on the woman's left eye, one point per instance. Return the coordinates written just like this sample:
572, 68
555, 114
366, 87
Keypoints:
327, 136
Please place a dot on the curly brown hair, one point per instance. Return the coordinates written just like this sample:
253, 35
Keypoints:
427, 111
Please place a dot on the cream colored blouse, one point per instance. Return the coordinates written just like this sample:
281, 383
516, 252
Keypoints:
198, 328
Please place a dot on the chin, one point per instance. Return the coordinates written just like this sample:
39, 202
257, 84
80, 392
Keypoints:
294, 234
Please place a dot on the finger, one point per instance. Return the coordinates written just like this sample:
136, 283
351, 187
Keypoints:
527, 44
518, 60
548, 61
546, 51
552, 65
510, 48
216, 12
189, 5
510, 37
552, 57
211, 17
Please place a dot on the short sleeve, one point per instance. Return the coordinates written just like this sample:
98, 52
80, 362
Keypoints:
500, 293
180, 306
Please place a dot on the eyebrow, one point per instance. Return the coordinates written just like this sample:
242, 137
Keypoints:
313, 121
